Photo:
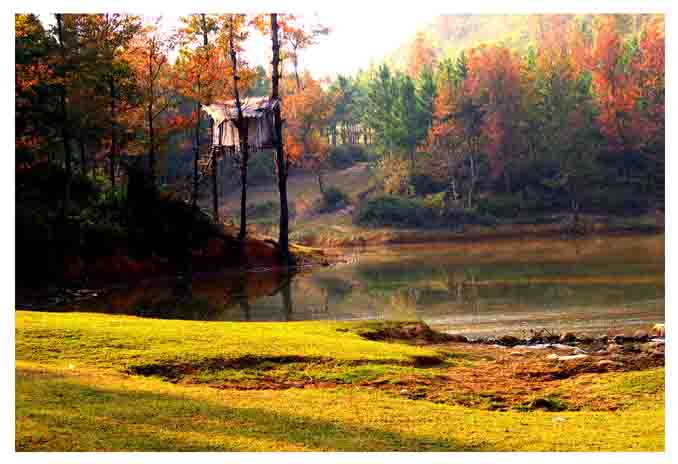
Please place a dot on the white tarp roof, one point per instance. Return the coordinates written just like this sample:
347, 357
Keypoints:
252, 107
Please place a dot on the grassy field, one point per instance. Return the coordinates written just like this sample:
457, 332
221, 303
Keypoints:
96, 382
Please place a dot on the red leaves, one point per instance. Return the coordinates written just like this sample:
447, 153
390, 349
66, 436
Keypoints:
630, 89
422, 56
305, 113
650, 69
494, 82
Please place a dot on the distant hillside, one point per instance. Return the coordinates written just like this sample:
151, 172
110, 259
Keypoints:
449, 34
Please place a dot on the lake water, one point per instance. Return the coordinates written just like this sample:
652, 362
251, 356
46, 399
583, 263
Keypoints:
587, 285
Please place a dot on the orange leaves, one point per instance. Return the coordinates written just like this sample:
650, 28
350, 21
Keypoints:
494, 81
148, 58
156, 84
305, 113
626, 80
31, 75
652, 47
202, 70
204, 75
422, 56
650, 69
446, 129
494, 74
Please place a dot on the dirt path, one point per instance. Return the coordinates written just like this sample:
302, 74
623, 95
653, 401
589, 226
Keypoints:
302, 188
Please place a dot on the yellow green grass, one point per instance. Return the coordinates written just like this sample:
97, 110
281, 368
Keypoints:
76, 390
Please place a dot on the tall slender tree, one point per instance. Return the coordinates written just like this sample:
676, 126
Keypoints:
34, 81
148, 57
202, 73
63, 112
107, 37
306, 113
297, 36
282, 163
233, 34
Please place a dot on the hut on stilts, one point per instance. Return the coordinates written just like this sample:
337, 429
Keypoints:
258, 115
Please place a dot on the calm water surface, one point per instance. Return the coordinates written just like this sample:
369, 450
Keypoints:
593, 284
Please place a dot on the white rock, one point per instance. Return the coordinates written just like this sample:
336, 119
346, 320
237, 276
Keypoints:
607, 362
573, 357
560, 346
538, 346
566, 358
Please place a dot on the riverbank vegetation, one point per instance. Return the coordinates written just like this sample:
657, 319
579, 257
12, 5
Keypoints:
554, 130
311, 386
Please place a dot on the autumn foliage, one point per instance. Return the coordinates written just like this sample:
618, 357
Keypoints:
306, 113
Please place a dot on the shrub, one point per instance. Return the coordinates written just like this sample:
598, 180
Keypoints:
425, 184
472, 217
44, 183
102, 239
396, 212
394, 174
435, 201
527, 202
344, 156
333, 199
622, 200
269, 209
263, 210
428, 213
504, 206
260, 169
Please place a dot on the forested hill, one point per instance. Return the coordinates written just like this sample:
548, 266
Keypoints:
447, 35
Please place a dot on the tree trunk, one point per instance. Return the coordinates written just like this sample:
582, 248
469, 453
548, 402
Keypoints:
295, 63
114, 143
64, 125
242, 137
469, 203
575, 215
83, 157
286, 294
151, 129
151, 151
321, 185
574, 205
281, 162
196, 157
215, 185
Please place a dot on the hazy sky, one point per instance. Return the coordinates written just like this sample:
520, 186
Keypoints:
363, 30
355, 40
